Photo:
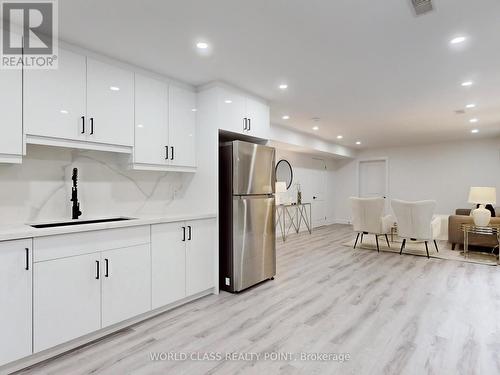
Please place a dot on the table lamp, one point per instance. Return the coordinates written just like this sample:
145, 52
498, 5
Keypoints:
482, 196
280, 188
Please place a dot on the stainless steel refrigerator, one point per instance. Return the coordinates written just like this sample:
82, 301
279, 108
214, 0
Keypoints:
247, 235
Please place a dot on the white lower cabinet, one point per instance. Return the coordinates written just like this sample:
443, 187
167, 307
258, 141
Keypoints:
200, 256
126, 283
168, 260
182, 259
15, 300
67, 299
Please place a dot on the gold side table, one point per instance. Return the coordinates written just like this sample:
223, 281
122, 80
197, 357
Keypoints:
490, 230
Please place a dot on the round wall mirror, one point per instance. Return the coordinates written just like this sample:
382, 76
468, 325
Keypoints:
284, 173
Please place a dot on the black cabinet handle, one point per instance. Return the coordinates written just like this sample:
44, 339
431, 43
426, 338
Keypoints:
189, 231
249, 124
245, 123
97, 270
91, 126
172, 156
106, 272
166, 152
27, 259
83, 125
183, 234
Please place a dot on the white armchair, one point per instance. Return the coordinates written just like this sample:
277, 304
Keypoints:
416, 222
368, 218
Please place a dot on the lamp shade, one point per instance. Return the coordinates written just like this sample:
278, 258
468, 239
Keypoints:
483, 195
281, 187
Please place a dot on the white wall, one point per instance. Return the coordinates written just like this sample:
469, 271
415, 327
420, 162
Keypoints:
40, 188
443, 172
304, 167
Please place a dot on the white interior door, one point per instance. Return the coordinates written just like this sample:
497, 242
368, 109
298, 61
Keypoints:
318, 190
373, 178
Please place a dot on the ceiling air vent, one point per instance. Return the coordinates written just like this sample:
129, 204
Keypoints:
422, 6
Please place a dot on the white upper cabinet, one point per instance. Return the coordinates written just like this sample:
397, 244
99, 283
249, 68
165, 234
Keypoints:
11, 139
151, 121
182, 127
241, 113
15, 300
110, 104
54, 100
258, 118
232, 110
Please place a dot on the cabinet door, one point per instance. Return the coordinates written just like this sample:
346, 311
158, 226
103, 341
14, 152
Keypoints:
126, 283
67, 300
200, 256
11, 139
151, 121
110, 104
15, 300
54, 100
168, 247
232, 110
258, 113
182, 126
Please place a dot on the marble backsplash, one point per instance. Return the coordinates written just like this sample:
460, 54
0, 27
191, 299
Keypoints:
40, 189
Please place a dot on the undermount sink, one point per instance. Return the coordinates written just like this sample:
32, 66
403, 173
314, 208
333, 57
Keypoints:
80, 222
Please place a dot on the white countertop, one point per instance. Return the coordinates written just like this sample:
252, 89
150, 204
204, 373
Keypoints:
18, 231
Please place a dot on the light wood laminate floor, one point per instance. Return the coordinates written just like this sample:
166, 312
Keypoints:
393, 314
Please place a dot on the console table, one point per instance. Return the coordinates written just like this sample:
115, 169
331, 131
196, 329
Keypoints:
296, 214
491, 230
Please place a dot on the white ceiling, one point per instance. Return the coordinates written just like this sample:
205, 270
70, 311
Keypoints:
371, 70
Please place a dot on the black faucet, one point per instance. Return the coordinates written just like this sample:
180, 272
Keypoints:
74, 195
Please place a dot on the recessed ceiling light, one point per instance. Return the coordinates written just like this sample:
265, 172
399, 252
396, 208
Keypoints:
283, 86
228, 101
63, 111
467, 83
315, 127
286, 117
458, 40
470, 106
358, 143
114, 88
140, 125
202, 45
194, 110
340, 136
474, 131
473, 120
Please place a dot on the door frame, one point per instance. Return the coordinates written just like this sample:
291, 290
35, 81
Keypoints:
385, 159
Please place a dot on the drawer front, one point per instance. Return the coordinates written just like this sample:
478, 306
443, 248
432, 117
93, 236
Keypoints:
66, 245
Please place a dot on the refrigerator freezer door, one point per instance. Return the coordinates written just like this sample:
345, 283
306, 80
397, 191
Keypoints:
254, 245
253, 169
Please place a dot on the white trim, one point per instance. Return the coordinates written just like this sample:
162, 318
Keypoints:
11, 159
161, 168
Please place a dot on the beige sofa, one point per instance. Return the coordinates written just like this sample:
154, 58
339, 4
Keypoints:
456, 235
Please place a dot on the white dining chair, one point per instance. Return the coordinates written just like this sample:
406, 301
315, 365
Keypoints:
368, 218
416, 222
